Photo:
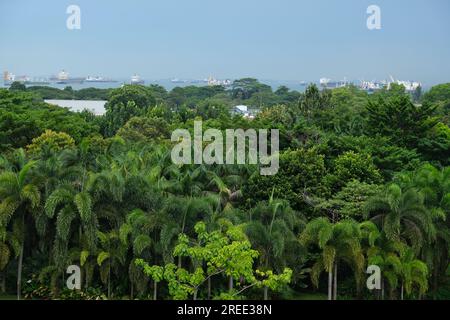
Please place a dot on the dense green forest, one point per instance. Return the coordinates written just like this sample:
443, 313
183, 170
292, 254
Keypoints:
364, 179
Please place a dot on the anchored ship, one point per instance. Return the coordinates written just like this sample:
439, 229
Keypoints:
63, 78
99, 79
136, 79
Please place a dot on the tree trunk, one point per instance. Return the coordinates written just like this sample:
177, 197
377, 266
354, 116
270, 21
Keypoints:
330, 284
155, 290
109, 282
86, 284
195, 294
131, 290
401, 292
230, 284
19, 272
209, 288
382, 289
435, 275
266, 293
335, 282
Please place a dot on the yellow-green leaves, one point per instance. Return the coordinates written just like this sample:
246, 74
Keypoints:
83, 257
226, 253
102, 256
274, 281
54, 141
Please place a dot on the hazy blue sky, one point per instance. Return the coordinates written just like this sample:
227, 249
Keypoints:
278, 39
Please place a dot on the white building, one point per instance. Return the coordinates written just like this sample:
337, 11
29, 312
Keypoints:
244, 111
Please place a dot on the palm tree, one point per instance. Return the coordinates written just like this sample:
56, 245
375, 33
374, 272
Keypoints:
338, 242
402, 216
73, 207
9, 245
414, 273
385, 254
434, 184
271, 230
78, 210
399, 266
138, 231
182, 213
20, 197
111, 256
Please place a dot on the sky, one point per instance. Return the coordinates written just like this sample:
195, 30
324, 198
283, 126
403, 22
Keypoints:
192, 39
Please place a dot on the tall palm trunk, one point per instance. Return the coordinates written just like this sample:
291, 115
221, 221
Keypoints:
435, 274
230, 283
401, 292
155, 290
109, 281
330, 284
86, 280
19, 272
195, 294
335, 282
266, 293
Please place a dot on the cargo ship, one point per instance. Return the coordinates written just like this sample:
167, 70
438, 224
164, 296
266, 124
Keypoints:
136, 79
63, 78
99, 79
